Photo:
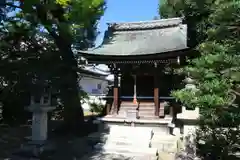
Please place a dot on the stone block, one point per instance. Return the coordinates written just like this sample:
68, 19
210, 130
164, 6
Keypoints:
161, 130
165, 147
166, 156
128, 142
131, 132
176, 132
165, 143
126, 150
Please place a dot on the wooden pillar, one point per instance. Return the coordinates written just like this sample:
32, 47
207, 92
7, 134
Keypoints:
156, 91
115, 93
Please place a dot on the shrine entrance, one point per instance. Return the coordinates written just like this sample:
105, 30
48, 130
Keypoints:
137, 58
144, 88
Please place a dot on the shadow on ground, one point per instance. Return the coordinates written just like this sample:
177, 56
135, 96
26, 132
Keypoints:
84, 147
11, 138
65, 146
72, 147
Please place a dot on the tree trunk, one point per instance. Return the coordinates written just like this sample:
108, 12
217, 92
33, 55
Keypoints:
69, 89
73, 113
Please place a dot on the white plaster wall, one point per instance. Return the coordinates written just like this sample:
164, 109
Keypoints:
90, 86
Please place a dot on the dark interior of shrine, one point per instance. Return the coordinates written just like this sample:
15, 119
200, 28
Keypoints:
144, 87
144, 84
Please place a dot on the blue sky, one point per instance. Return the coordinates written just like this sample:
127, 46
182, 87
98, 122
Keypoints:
127, 11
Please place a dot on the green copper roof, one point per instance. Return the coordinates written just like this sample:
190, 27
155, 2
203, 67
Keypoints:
143, 38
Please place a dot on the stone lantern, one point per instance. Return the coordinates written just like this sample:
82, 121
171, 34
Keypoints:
189, 118
190, 83
39, 106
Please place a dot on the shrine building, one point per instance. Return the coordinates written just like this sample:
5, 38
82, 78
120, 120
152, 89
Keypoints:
137, 54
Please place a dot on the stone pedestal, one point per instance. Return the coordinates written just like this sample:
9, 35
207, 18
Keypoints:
39, 123
189, 119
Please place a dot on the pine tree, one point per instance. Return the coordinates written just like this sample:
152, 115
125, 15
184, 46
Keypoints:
216, 72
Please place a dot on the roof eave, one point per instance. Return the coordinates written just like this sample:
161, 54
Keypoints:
88, 72
173, 53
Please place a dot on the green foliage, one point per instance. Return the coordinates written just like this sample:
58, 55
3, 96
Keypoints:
194, 13
171, 9
216, 72
83, 94
97, 108
36, 47
222, 144
76, 20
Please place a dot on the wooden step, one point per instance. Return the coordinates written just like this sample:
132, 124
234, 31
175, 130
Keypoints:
146, 113
141, 113
128, 108
147, 109
125, 106
141, 103
128, 103
146, 104
134, 110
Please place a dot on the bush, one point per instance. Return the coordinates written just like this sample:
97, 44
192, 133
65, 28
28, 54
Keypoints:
97, 108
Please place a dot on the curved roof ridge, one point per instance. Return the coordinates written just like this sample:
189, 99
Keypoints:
147, 21
146, 24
